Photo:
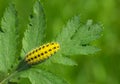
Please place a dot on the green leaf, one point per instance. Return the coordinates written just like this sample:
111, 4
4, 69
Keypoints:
69, 30
34, 35
37, 76
8, 41
76, 50
18, 80
24, 81
58, 58
75, 38
88, 33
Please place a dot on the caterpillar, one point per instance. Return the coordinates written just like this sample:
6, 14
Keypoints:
41, 53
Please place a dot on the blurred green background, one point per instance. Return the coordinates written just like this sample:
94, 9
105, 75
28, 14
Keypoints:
100, 68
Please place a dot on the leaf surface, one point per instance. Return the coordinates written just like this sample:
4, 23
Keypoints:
34, 35
37, 76
75, 38
8, 41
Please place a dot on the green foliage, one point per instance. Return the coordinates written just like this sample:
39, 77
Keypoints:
35, 34
8, 41
74, 39
37, 76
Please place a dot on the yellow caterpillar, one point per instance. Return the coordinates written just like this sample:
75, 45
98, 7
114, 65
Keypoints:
41, 53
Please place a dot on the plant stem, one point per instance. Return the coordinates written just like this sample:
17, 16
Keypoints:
8, 77
22, 67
